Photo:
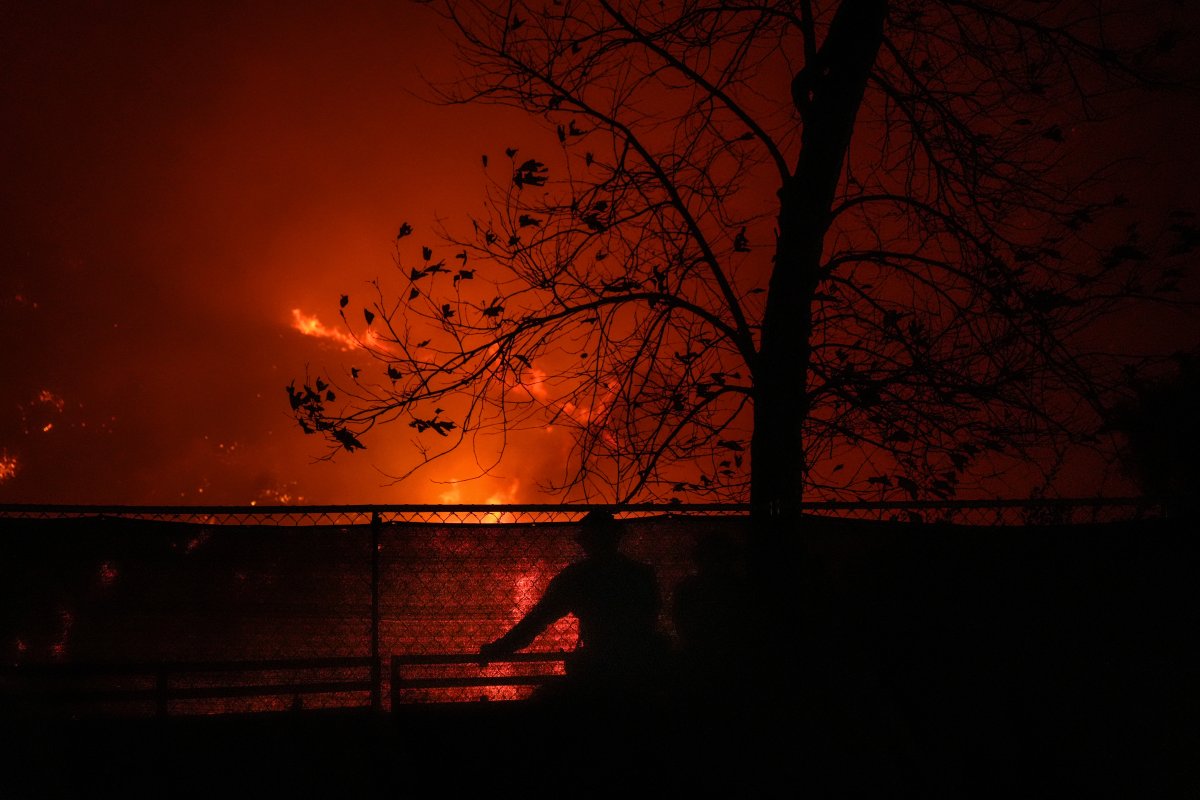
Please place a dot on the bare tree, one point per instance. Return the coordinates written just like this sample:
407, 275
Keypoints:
783, 250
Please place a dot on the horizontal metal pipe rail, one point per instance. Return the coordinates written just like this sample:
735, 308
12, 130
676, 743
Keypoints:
54, 680
400, 681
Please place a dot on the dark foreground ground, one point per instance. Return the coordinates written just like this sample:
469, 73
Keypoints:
943, 662
488, 749
1144, 747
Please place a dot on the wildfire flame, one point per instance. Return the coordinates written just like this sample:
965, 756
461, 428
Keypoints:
310, 325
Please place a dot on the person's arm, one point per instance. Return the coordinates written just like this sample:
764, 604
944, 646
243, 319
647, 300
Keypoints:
544, 613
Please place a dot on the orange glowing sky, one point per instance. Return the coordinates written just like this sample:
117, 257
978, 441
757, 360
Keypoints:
183, 183
187, 190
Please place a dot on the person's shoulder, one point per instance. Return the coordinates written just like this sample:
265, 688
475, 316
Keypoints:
574, 568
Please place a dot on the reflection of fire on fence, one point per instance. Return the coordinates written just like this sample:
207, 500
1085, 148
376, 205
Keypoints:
458, 677
116, 586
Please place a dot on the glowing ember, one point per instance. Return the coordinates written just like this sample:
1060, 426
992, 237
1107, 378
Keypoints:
8, 466
49, 398
67, 621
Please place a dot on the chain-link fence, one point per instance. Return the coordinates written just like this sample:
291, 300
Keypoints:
180, 610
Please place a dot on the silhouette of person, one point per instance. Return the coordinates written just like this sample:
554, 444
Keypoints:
616, 601
712, 616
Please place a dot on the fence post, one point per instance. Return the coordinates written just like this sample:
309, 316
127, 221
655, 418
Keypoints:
161, 691
376, 682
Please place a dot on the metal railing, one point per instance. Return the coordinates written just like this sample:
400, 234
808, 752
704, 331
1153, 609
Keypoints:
166, 688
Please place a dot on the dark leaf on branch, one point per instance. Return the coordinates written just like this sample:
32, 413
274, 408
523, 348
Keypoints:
880, 480
942, 489
394, 373
354, 372
405, 230
1130, 252
414, 294
368, 316
908, 485
423, 343
441, 427
426, 253
528, 221
330, 396
416, 274
483, 158
447, 311
588, 158
462, 256
493, 311
531, 173
348, 440
321, 385
731, 444
510, 151
343, 301
740, 243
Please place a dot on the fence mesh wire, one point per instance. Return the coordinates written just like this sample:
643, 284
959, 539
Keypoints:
212, 610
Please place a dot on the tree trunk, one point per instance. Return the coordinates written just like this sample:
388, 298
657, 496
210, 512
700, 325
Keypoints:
794, 598
828, 95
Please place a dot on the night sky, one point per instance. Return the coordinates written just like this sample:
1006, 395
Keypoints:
184, 184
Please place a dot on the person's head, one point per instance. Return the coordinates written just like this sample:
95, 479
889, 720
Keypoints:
599, 532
